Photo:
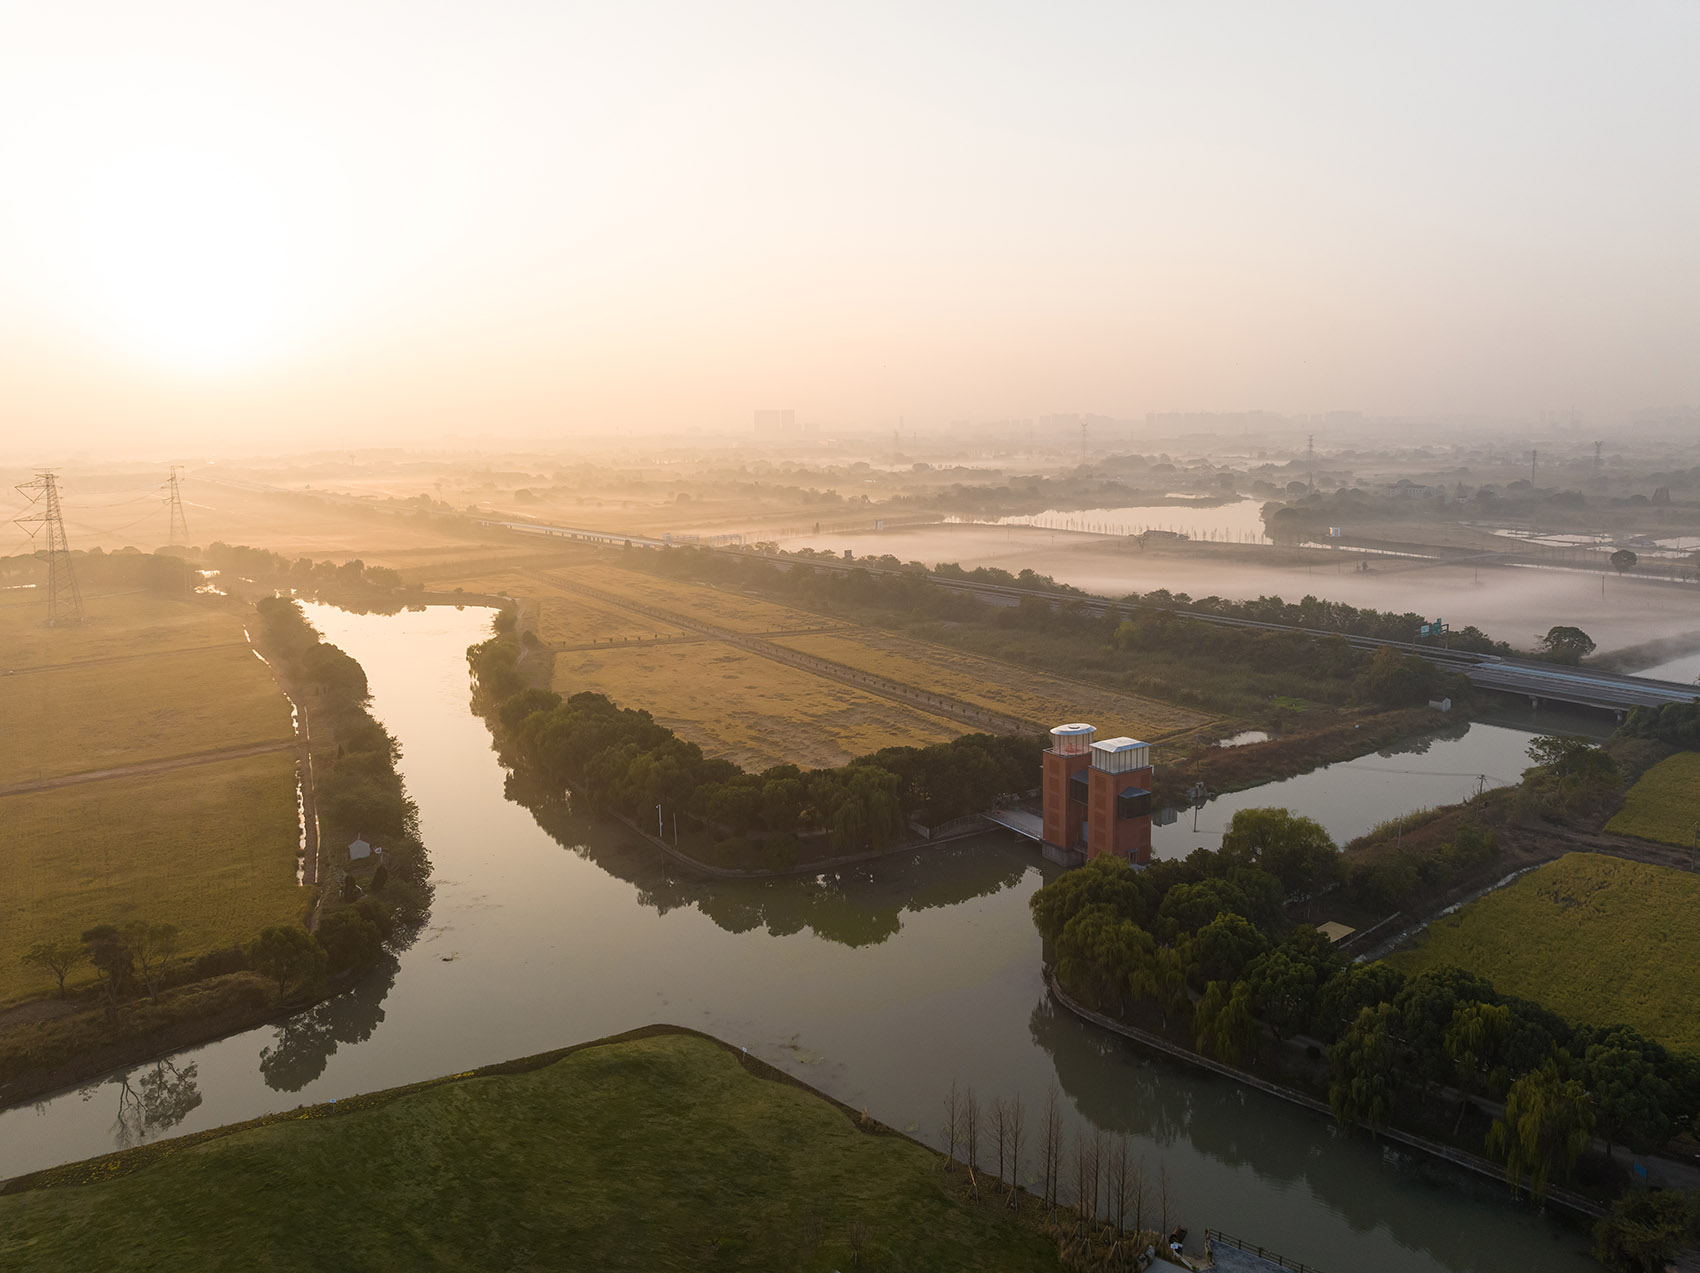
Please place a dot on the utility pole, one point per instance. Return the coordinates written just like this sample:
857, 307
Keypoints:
64, 601
179, 523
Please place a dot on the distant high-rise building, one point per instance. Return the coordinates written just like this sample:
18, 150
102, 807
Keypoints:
771, 424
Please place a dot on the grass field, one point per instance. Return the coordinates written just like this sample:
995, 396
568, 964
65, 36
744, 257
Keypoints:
1665, 803
209, 848
746, 708
655, 1153
1598, 939
116, 626
1002, 687
77, 717
725, 609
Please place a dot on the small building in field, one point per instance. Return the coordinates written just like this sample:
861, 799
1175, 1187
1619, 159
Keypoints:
1335, 931
358, 849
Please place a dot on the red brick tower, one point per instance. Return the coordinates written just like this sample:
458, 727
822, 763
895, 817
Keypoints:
1118, 803
1064, 785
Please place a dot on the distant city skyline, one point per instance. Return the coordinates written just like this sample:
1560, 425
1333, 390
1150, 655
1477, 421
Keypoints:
249, 228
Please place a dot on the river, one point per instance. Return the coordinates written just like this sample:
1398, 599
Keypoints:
879, 986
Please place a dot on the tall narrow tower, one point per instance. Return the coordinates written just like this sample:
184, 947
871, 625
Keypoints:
64, 601
1310, 461
179, 523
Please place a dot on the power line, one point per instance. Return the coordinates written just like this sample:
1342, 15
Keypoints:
64, 600
179, 523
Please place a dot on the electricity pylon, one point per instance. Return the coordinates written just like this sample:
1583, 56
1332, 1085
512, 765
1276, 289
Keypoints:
64, 601
179, 523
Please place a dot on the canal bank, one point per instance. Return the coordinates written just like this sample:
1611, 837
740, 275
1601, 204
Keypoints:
879, 984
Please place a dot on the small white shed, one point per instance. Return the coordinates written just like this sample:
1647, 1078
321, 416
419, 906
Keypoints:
359, 849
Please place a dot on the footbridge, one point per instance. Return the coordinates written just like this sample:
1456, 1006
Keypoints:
1021, 821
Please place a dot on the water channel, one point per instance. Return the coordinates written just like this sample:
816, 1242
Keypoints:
878, 986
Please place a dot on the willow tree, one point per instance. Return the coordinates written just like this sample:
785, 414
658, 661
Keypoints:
1547, 1124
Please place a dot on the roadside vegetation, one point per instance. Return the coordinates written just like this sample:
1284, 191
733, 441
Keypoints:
663, 1150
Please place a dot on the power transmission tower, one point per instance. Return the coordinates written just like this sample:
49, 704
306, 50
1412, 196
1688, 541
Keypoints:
64, 601
1534, 459
179, 523
1597, 447
1310, 461
1083, 443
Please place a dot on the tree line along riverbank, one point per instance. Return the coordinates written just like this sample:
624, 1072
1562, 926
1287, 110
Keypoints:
149, 998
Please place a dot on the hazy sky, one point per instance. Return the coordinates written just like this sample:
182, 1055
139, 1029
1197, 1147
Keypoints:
384, 220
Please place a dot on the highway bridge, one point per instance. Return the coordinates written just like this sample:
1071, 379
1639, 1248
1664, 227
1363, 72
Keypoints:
1537, 681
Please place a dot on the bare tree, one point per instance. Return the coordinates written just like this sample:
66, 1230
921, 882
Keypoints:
1136, 1187
1082, 1177
1100, 1155
154, 947
1120, 1182
1017, 1129
971, 1129
1163, 1195
952, 1124
1052, 1147
858, 1240
56, 957
1000, 1131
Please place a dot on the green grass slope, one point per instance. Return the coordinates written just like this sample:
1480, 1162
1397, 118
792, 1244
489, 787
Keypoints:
1597, 939
658, 1150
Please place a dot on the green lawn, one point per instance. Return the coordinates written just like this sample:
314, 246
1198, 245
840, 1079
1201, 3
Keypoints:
656, 1152
1598, 939
1665, 804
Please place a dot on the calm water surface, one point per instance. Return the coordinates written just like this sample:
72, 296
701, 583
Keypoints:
879, 987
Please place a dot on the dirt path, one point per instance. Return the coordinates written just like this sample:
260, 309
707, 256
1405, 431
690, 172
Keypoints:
146, 767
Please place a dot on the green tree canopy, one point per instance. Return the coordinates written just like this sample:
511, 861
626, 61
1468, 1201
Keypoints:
1546, 1125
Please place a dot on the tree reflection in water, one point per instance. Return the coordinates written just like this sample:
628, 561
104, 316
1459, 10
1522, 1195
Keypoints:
854, 906
152, 1104
1116, 1085
306, 1042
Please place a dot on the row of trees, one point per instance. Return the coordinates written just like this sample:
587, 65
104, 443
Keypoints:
1126, 633
1204, 946
1108, 1184
358, 788
142, 957
623, 761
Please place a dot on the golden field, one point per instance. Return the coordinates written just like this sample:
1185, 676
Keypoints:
746, 708
1020, 692
209, 848
77, 717
1664, 804
730, 610
1598, 939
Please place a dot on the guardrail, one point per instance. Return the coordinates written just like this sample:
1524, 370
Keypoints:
1212, 1236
